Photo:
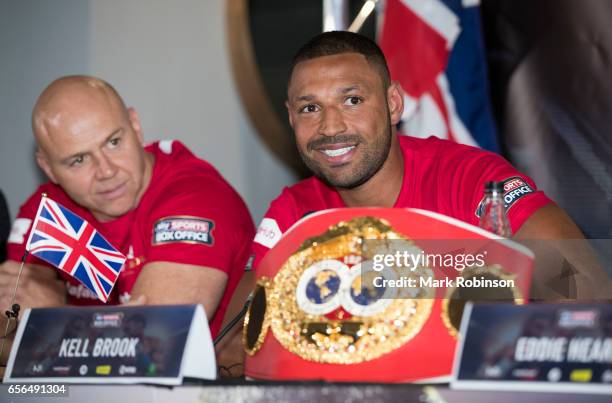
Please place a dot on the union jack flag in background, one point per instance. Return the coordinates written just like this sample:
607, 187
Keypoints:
434, 48
71, 244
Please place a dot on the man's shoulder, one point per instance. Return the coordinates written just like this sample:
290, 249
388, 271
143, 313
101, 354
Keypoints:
178, 171
175, 157
436, 147
435, 152
185, 185
306, 187
296, 201
307, 195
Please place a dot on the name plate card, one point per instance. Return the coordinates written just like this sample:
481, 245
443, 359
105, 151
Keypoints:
546, 347
113, 344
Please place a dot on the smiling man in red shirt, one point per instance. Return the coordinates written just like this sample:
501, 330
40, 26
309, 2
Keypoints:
344, 110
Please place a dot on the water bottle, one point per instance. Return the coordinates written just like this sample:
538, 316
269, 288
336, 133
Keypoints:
493, 218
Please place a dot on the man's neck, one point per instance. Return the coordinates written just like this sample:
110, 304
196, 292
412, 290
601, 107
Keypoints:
383, 188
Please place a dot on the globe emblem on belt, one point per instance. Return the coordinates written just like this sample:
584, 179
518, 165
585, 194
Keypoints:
331, 284
319, 287
322, 287
365, 293
327, 304
361, 296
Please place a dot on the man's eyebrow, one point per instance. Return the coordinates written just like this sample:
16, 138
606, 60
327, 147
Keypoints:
305, 98
78, 154
346, 90
113, 134
343, 90
68, 159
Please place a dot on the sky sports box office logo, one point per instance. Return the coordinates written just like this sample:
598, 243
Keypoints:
183, 229
514, 189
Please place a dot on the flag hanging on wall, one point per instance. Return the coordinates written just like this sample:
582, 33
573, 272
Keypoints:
73, 245
434, 49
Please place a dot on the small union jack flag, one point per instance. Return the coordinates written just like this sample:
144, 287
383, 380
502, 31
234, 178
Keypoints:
71, 244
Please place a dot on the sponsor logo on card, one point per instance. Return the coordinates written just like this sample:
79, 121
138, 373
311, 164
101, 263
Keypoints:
127, 370
61, 369
554, 374
101, 320
103, 370
83, 369
581, 375
525, 373
572, 319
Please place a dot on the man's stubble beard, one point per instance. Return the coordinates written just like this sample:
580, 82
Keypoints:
372, 161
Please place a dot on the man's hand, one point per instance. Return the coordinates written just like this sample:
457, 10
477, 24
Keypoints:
230, 351
565, 265
38, 286
140, 301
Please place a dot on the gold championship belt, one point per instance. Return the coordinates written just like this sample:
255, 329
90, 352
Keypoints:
322, 309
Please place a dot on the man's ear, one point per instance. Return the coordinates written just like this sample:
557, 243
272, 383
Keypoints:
43, 163
289, 112
395, 102
135, 123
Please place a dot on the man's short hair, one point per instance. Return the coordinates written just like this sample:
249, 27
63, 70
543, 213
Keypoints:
338, 42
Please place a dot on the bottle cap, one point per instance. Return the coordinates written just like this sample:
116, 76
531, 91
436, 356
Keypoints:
494, 187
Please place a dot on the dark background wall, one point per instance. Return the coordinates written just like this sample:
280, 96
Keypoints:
551, 84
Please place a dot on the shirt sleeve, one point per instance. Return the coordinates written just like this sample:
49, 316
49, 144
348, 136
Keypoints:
467, 181
201, 222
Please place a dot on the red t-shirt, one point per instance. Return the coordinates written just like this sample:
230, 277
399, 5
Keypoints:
439, 175
184, 190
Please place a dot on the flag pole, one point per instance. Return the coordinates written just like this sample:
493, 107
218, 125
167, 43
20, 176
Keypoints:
13, 312
362, 16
